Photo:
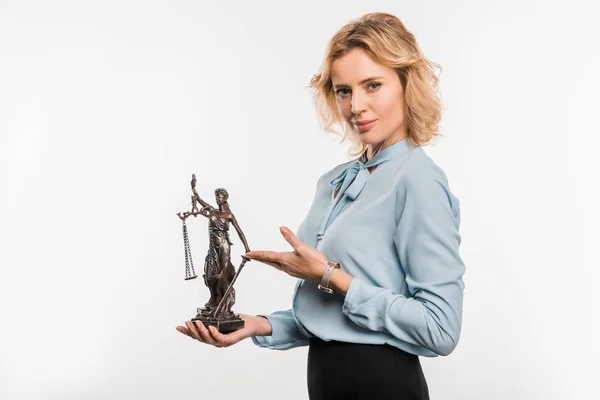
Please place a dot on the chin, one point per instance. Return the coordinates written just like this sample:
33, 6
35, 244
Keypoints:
369, 138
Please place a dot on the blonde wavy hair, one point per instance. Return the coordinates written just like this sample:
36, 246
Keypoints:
387, 41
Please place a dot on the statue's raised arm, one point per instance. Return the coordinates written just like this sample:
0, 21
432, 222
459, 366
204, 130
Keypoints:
196, 197
207, 210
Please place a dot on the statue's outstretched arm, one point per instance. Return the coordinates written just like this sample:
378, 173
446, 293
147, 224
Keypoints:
240, 233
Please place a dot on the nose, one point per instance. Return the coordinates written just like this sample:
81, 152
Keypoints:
357, 104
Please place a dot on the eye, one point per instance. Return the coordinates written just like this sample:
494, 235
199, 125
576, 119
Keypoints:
340, 94
371, 85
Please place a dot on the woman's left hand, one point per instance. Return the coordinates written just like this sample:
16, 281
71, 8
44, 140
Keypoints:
304, 262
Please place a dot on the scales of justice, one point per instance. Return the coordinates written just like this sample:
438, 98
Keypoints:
219, 273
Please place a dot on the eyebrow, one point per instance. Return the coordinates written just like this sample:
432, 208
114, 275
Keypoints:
361, 82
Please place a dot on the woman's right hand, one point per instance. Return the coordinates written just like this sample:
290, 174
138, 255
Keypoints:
253, 326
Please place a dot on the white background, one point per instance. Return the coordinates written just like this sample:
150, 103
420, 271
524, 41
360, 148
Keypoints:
107, 107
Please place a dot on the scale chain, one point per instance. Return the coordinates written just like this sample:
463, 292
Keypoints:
189, 264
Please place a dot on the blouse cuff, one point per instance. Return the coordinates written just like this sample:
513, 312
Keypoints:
284, 334
352, 298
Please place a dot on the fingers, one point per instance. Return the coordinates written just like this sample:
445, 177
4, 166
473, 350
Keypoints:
199, 332
193, 331
272, 256
279, 257
291, 238
185, 331
226, 340
269, 262
211, 335
206, 336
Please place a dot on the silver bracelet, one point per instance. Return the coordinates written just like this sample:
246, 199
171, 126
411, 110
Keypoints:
324, 286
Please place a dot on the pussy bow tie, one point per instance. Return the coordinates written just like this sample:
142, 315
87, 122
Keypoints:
355, 175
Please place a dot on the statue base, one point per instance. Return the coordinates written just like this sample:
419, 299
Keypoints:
223, 325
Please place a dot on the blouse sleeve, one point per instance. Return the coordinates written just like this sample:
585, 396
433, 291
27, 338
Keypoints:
285, 335
426, 239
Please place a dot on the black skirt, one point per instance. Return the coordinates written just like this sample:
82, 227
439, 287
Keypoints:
338, 370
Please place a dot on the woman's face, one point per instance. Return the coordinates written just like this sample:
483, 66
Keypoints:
365, 91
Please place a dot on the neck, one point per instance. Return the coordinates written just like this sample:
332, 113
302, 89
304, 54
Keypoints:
373, 149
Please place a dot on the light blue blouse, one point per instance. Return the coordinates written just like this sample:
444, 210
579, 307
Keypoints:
396, 231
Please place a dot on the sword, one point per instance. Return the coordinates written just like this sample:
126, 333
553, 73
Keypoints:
216, 310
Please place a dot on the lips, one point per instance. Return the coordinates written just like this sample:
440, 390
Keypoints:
364, 122
364, 125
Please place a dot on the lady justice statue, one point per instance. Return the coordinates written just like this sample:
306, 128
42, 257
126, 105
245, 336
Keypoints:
219, 272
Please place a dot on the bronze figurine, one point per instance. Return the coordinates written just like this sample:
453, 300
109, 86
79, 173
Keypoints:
219, 273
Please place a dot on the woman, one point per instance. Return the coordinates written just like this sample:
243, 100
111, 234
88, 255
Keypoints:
387, 219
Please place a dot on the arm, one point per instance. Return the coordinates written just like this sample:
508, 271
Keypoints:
240, 233
427, 241
199, 200
195, 196
284, 334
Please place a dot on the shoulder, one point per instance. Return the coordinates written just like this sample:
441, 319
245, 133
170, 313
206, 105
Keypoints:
207, 209
420, 170
422, 181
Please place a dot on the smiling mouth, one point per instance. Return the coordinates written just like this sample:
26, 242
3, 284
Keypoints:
364, 121
365, 126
